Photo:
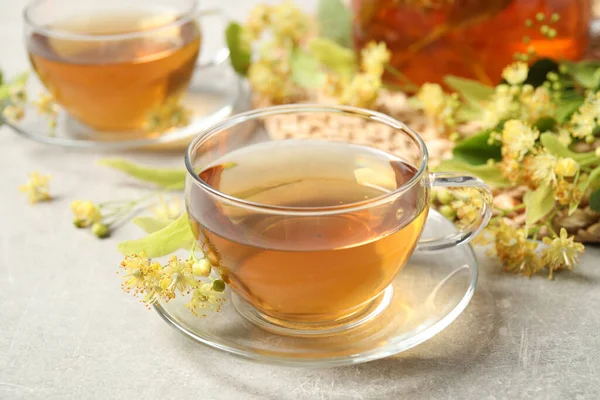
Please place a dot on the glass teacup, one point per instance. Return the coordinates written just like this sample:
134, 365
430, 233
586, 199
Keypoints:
309, 229
114, 64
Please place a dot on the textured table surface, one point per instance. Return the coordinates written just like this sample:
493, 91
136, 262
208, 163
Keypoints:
68, 332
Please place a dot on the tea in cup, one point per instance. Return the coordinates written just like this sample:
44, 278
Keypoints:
310, 232
113, 64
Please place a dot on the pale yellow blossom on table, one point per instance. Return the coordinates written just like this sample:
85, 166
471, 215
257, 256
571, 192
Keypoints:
515, 73
142, 276
536, 104
515, 251
13, 112
37, 188
432, 98
374, 57
86, 213
562, 252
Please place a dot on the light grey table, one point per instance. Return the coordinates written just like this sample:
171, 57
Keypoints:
68, 332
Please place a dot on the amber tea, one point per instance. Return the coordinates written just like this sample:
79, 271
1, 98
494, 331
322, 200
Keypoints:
302, 266
111, 71
470, 38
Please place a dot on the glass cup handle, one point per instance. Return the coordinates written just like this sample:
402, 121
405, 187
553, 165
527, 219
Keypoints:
222, 54
451, 179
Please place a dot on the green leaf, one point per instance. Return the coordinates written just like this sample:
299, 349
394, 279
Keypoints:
553, 145
239, 52
538, 71
476, 150
473, 92
177, 235
173, 178
466, 113
150, 224
585, 73
566, 108
335, 57
591, 181
595, 200
335, 22
538, 203
488, 173
306, 70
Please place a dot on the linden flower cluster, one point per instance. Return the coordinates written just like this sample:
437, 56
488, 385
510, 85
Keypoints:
37, 188
516, 100
151, 281
586, 119
87, 214
521, 255
362, 89
270, 75
437, 105
525, 162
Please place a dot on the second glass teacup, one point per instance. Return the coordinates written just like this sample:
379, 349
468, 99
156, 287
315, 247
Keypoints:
309, 231
114, 64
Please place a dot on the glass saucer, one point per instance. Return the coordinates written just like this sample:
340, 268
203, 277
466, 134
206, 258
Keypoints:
214, 93
427, 295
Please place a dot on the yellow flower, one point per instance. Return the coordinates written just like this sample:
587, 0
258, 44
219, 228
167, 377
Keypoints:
566, 167
511, 169
501, 106
515, 73
37, 188
597, 151
86, 213
536, 104
467, 206
257, 21
539, 169
566, 193
517, 139
515, 251
177, 276
374, 57
46, 105
205, 296
142, 276
13, 112
562, 252
289, 21
167, 209
432, 98
362, 91
270, 77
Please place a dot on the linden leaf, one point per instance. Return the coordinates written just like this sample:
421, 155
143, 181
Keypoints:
335, 57
568, 107
335, 22
306, 69
553, 145
585, 73
151, 224
490, 174
476, 150
591, 181
595, 200
177, 235
538, 203
545, 124
239, 53
173, 178
473, 92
